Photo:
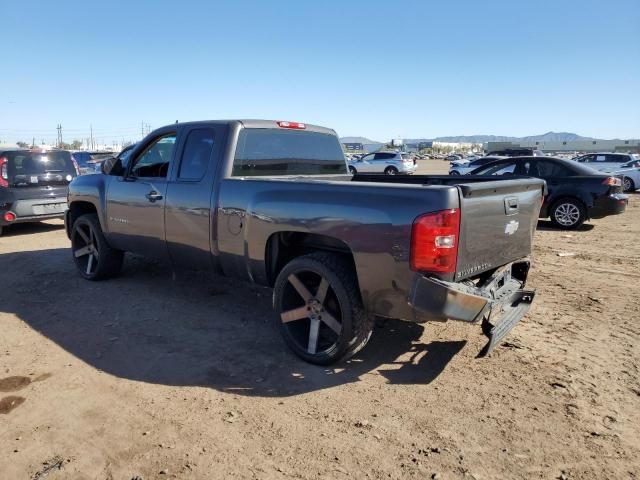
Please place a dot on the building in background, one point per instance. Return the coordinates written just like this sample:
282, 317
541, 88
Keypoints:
626, 146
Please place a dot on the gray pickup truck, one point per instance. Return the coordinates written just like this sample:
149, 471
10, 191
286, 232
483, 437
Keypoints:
273, 203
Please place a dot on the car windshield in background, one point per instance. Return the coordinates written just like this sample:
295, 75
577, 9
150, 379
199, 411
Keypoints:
32, 163
263, 152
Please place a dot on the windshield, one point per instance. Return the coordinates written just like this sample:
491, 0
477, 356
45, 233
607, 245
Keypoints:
32, 163
266, 151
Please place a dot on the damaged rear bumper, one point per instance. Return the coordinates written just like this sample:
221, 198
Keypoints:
499, 301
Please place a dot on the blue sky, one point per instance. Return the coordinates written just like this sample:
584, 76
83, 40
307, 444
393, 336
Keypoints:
370, 68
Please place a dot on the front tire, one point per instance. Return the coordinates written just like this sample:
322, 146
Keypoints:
628, 185
568, 213
454, 172
391, 171
93, 256
321, 315
352, 170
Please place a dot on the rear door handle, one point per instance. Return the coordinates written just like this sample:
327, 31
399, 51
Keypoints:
152, 196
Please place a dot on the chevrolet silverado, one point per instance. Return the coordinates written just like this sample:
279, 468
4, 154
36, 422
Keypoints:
273, 202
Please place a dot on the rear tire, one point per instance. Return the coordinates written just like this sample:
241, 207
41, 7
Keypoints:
391, 171
628, 185
568, 213
352, 170
320, 311
93, 256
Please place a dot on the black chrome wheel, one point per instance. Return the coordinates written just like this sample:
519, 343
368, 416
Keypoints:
312, 315
320, 312
93, 256
85, 248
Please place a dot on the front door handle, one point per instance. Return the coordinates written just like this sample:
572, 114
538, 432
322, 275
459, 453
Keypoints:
152, 196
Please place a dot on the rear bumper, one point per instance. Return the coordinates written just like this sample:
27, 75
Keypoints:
408, 169
499, 302
28, 210
609, 205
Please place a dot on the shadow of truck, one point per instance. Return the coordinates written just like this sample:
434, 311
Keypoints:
150, 325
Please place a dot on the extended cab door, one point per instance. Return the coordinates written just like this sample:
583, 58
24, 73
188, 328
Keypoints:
135, 202
188, 215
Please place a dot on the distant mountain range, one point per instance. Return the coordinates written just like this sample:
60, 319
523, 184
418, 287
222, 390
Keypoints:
546, 137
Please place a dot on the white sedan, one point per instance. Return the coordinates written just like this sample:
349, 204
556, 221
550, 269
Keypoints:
630, 173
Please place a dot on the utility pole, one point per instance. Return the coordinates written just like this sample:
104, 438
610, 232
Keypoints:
142, 128
59, 128
91, 129
33, 142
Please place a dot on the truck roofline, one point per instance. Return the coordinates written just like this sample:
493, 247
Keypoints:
250, 123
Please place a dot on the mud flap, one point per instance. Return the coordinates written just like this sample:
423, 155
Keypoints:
504, 317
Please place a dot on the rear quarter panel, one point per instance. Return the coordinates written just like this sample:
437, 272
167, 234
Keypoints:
373, 220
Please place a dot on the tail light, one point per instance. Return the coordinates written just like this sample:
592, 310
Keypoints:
9, 217
612, 182
434, 242
292, 125
4, 172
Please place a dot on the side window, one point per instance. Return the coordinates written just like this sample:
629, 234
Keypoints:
154, 161
501, 169
552, 169
196, 154
367, 158
124, 157
616, 158
600, 158
384, 156
588, 158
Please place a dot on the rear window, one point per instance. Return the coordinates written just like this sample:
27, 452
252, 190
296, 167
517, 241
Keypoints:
31, 163
263, 152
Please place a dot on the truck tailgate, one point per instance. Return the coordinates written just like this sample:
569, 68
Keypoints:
498, 220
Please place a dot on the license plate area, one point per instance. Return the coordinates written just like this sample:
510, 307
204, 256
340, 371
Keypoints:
48, 208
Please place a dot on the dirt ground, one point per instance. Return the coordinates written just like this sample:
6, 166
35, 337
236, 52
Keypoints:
155, 375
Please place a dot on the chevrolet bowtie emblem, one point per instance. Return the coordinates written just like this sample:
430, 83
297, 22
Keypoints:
511, 227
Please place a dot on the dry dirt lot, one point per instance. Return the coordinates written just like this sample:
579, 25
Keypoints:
156, 375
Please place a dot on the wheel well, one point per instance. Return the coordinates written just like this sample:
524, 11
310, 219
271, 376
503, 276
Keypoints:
568, 197
282, 247
76, 209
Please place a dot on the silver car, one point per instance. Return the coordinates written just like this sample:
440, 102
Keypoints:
389, 163
462, 167
606, 161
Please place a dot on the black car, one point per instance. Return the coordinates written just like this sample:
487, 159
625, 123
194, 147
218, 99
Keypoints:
34, 185
575, 192
513, 152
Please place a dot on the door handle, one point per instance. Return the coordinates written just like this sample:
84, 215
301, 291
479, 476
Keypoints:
152, 196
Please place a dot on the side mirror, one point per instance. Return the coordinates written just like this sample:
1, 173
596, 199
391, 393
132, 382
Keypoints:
112, 166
